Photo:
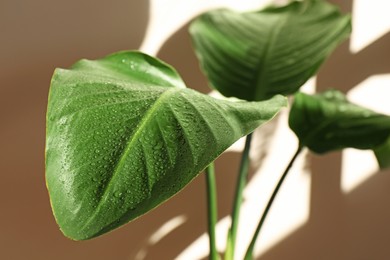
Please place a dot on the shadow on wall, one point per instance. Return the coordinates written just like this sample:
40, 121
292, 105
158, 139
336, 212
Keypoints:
178, 52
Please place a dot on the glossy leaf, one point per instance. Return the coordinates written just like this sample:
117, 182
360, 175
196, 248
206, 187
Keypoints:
327, 121
256, 55
382, 154
124, 135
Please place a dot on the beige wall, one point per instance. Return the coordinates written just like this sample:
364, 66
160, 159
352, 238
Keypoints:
37, 36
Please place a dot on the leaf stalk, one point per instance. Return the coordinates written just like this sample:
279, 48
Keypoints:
249, 252
240, 185
212, 213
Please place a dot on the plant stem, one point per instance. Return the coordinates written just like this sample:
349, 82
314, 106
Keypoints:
212, 209
240, 185
249, 252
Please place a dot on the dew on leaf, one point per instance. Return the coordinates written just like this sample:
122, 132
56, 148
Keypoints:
117, 194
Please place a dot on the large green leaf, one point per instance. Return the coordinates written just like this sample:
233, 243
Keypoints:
327, 121
256, 55
124, 135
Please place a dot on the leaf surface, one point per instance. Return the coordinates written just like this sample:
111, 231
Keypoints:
328, 121
256, 55
382, 154
124, 135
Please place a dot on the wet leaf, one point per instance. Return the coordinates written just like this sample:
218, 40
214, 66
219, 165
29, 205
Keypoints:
124, 135
382, 154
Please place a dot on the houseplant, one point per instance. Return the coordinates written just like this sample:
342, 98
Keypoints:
124, 134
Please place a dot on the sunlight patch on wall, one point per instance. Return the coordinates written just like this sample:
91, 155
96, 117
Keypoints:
168, 16
368, 22
159, 234
373, 93
358, 166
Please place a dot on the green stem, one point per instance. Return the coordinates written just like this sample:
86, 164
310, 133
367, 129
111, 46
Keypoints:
212, 209
249, 252
240, 185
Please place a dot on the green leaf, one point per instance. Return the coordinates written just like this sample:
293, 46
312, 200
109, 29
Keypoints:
124, 135
256, 55
382, 154
327, 121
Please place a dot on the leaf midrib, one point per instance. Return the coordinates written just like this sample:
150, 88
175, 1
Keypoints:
138, 131
259, 89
